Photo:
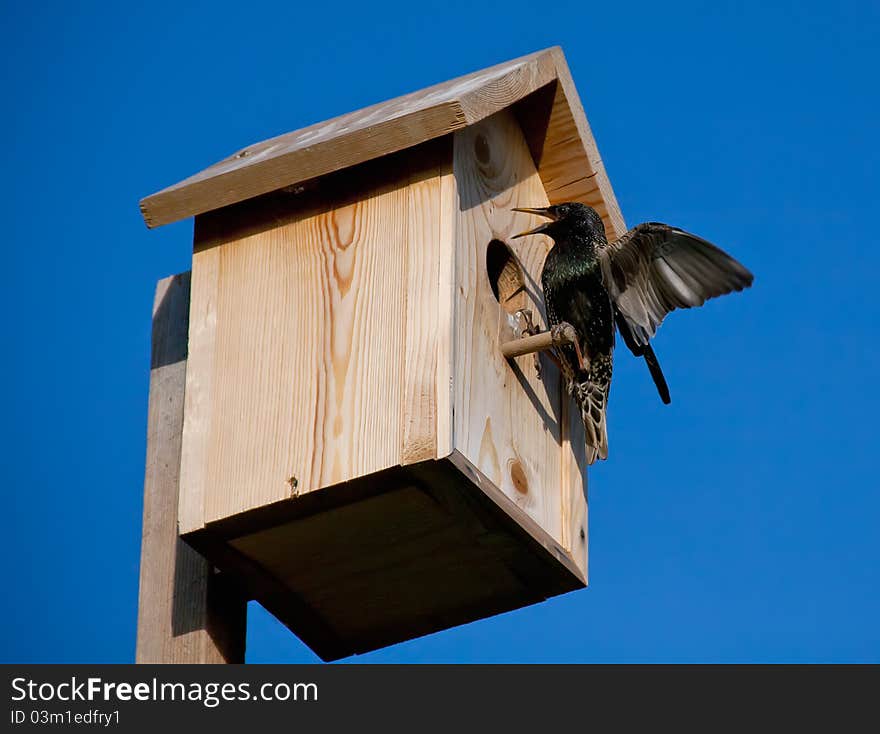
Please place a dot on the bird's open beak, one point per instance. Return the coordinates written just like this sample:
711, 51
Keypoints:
545, 212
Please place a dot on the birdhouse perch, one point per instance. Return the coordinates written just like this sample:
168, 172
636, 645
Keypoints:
357, 452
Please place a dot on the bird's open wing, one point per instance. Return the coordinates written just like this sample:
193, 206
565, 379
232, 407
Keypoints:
655, 268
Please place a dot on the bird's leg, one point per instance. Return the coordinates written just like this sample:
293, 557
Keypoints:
577, 350
564, 333
539, 373
525, 315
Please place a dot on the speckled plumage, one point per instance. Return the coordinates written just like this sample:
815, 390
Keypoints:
574, 292
630, 284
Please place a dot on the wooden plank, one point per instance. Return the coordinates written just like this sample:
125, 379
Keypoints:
425, 248
564, 149
186, 612
197, 401
273, 596
401, 522
517, 517
350, 139
446, 311
303, 368
506, 418
539, 85
570, 184
575, 501
439, 545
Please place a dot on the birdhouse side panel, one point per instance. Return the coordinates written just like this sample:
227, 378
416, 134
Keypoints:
309, 361
509, 423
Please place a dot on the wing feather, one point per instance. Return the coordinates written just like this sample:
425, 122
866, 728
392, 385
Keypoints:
654, 269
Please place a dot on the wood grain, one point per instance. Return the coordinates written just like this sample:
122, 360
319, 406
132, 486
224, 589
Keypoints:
575, 500
507, 420
186, 613
350, 139
315, 341
523, 520
428, 243
198, 396
572, 169
539, 84
446, 310
563, 147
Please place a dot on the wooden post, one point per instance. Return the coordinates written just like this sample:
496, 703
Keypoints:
187, 613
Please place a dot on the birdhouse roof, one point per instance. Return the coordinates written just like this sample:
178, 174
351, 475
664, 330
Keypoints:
538, 85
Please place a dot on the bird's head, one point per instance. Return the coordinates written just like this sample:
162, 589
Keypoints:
570, 218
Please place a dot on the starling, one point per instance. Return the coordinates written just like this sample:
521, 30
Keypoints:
630, 284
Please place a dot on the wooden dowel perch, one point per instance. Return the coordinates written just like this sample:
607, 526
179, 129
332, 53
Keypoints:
558, 336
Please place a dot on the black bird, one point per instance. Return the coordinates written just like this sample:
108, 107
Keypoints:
632, 283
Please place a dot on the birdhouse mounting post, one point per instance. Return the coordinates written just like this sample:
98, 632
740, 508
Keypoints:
187, 612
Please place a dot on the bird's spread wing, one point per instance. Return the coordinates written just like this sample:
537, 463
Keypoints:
654, 269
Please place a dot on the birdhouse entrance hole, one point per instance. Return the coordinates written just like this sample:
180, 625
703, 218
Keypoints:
505, 276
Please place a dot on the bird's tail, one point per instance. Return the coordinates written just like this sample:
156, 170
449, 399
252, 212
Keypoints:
656, 373
593, 401
646, 351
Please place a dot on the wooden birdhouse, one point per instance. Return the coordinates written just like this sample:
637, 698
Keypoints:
356, 450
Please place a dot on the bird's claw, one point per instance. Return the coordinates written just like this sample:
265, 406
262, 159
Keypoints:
524, 315
530, 329
564, 331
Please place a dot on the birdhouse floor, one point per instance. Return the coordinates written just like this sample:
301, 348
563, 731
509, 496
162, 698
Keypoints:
401, 554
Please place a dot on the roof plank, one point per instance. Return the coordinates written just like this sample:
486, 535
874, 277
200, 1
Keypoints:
567, 158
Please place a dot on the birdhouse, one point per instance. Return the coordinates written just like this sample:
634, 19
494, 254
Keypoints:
357, 452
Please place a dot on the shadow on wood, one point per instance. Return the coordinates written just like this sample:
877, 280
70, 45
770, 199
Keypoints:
186, 612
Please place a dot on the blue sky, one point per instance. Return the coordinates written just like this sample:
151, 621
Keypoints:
738, 524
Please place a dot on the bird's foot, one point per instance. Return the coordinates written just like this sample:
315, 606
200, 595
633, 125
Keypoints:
564, 334
528, 328
524, 317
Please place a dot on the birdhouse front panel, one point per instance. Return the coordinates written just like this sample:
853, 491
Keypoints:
316, 334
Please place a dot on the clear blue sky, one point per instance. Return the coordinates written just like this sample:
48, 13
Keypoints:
738, 524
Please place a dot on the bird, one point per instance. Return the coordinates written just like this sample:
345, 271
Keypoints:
629, 285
